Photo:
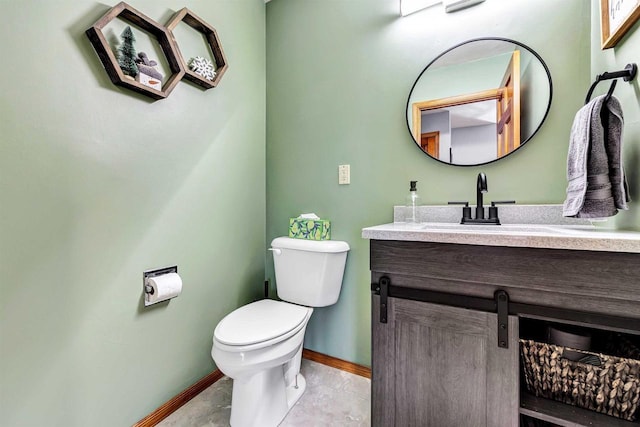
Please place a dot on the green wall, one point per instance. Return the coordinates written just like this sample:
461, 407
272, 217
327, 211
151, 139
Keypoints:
626, 51
99, 184
338, 76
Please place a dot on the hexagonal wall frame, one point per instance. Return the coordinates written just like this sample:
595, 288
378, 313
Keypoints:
110, 62
210, 34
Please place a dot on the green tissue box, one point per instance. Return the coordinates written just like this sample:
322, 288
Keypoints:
310, 229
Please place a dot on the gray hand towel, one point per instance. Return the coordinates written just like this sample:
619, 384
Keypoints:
597, 186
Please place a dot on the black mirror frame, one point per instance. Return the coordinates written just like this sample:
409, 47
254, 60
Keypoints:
522, 144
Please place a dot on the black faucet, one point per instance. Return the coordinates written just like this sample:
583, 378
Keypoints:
481, 187
481, 184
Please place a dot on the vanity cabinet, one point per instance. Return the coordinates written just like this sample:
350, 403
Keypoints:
445, 351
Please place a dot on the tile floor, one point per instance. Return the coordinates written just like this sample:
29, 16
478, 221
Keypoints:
332, 398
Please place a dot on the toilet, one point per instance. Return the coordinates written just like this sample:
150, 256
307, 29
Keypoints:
259, 345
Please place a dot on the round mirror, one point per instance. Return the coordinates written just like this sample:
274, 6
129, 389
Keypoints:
479, 101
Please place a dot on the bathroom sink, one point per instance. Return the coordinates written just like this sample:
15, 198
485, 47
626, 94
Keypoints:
528, 226
567, 235
504, 228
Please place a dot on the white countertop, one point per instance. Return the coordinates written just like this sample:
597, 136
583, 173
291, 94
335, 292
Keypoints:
575, 237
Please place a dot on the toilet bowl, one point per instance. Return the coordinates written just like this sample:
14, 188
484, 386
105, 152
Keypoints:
259, 345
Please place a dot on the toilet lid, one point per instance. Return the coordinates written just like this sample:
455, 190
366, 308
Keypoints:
259, 321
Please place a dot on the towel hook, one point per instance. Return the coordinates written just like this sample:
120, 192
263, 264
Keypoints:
627, 74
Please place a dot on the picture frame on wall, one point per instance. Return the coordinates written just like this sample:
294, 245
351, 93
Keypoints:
616, 18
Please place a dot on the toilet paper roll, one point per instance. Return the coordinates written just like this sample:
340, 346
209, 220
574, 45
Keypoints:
163, 287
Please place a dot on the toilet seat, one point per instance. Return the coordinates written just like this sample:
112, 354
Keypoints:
261, 323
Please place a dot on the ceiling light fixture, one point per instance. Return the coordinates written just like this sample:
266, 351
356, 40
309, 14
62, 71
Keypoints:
408, 7
454, 5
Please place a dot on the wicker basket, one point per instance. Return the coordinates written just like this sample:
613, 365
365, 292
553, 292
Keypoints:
613, 388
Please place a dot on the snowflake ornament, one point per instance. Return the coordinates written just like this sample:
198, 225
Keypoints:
202, 67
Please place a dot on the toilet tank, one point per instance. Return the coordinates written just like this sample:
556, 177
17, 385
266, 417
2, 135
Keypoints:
309, 272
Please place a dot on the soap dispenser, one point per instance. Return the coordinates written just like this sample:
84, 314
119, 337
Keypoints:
413, 201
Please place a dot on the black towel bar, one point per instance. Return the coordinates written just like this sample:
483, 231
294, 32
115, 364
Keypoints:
627, 74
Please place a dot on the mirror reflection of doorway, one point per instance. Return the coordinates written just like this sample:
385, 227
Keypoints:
430, 143
466, 132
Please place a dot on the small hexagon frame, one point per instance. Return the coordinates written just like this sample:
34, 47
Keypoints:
110, 62
211, 35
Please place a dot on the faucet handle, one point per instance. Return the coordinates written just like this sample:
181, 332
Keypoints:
503, 202
493, 209
466, 210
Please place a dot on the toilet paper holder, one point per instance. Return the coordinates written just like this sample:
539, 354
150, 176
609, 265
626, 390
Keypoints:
147, 289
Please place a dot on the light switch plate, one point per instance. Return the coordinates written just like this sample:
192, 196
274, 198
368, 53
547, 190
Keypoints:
344, 174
